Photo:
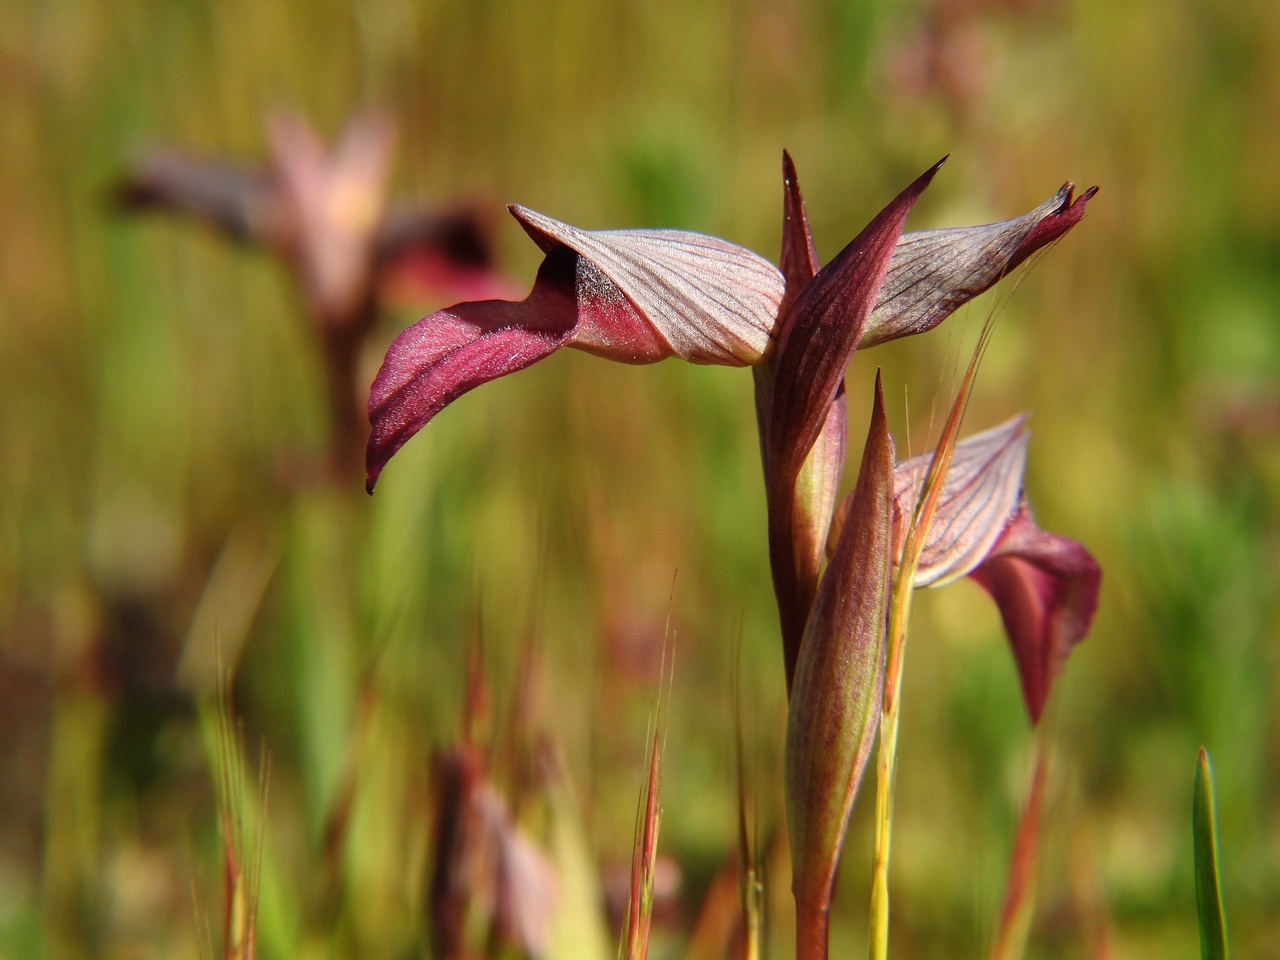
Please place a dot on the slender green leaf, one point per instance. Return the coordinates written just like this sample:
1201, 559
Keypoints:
1213, 920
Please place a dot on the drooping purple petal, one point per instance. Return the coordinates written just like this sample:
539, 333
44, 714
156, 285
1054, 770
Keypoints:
633, 296
441, 357
824, 326
979, 494
1046, 587
670, 293
935, 272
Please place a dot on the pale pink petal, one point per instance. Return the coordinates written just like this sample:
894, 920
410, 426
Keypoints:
979, 494
702, 298
935, 272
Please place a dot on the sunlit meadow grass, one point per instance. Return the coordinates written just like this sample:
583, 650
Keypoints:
155, 383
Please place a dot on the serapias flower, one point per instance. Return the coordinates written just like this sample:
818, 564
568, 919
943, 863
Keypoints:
639, 296
1045, 585
325, 209
881, 287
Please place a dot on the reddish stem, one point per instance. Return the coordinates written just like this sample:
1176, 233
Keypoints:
813, 925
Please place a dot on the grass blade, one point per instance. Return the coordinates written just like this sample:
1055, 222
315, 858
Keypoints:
1213, 920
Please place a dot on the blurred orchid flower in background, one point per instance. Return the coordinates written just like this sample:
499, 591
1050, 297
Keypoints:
1045, 585
325, 210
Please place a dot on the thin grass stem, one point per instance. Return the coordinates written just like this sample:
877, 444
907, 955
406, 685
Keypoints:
914, 538
886, 762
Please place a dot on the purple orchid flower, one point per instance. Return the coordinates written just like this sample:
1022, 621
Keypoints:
1045, 585
884, 285
639, 296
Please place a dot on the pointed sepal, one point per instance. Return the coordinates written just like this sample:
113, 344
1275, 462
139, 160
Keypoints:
818, 339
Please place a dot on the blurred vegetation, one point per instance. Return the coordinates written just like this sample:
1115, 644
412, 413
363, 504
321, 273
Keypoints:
156, 382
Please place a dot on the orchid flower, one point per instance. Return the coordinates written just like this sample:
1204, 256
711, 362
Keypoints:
1045, 585
349, 240
325, 210
881, 287
639, 296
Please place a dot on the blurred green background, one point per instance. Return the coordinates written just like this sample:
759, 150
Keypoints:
153, 379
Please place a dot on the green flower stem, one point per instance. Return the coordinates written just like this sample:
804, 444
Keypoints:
886, 761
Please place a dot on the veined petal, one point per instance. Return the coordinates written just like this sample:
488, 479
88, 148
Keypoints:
979, 494
634, 296
698, 297
1046, 587
935, 272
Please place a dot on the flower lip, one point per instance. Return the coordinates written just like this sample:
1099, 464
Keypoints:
707, 300
1046, 587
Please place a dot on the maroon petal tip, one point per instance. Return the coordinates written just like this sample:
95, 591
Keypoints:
443, 356
1069, 213
1046, 587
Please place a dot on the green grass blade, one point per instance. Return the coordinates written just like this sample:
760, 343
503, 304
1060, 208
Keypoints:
1213, 920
